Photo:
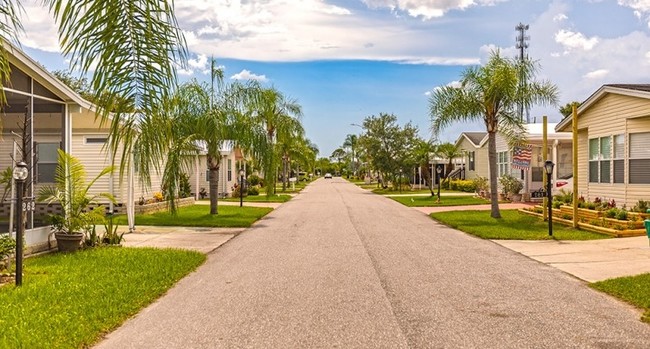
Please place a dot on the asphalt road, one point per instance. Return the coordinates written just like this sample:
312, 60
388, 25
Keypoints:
338, 267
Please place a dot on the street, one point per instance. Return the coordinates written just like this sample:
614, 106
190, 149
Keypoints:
338, 266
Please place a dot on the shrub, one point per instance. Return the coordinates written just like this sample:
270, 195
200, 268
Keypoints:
254, 180
467, 186
253, 191
565, 197
158, 197
510, 184
184, 187
621, 215
641, 206
481, 183
203, 193
7, 245
590, 205
235, 192
557, 204
611, 213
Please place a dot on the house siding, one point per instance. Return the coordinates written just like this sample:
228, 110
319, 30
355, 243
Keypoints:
612, 115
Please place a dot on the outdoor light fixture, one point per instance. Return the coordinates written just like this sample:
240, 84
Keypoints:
548, 168
241, 188
439, 172
20, 173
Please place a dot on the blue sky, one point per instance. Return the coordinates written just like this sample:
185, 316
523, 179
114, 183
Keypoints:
344, 60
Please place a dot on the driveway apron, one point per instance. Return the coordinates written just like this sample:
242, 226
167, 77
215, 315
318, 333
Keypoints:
339, 267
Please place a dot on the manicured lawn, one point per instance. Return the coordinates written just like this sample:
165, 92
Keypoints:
199, 216
70, 300
429, 201
512, 226
632, 289
261, 198
405, 190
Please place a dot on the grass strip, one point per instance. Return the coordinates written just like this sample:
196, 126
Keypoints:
199, 216
261, 198
431, 201
70, 300
511, 226
632, 289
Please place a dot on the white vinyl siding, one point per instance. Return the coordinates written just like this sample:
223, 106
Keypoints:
640, 158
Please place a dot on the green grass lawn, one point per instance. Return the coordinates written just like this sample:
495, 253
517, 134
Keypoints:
512, 226
70, 300
261, 198
199, 216
428, 201
632, 289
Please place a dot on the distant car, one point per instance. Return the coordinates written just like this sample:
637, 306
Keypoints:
328, 176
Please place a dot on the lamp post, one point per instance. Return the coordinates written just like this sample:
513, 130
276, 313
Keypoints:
241, 188
548, 168
20, 175
438, 171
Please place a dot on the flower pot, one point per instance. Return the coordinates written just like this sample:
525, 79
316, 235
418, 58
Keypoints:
68, 242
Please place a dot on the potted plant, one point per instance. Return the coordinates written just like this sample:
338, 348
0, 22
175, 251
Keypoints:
71, 192
511, 187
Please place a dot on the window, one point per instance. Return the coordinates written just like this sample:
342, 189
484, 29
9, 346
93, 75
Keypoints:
472, 160
503, 163
619, 159
229, 170
639, 158
600, 160
46, 159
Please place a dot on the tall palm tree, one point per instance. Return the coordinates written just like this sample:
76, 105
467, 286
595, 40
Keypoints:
491, 93
275, 116
338, 154
350, 142
288, 147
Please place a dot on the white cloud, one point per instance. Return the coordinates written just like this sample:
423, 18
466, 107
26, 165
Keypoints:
428, 9
40, 28
596, 74
247, 75
573, 40
560, 17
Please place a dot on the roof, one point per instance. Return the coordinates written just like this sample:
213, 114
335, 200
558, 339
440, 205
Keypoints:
632, 90
476, 138
536, 132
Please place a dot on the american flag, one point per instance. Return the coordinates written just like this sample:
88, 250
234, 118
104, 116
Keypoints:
521, 155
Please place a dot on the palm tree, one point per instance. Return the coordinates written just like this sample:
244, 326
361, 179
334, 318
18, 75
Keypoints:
338, 154
449, 151
422, 152
275, 116
491, 93
350, 142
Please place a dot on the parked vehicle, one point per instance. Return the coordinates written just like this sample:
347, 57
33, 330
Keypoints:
328, 176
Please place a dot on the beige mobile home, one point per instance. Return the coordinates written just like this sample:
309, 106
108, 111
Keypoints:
614, 144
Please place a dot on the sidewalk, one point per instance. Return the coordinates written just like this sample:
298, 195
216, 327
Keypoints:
204, 240
591, 261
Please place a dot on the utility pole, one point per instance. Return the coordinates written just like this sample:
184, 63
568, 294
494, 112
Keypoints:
522, 45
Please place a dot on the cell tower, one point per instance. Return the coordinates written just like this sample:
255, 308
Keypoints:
522, 45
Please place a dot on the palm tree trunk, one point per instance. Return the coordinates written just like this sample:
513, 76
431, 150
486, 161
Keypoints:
213, 179
492, 156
